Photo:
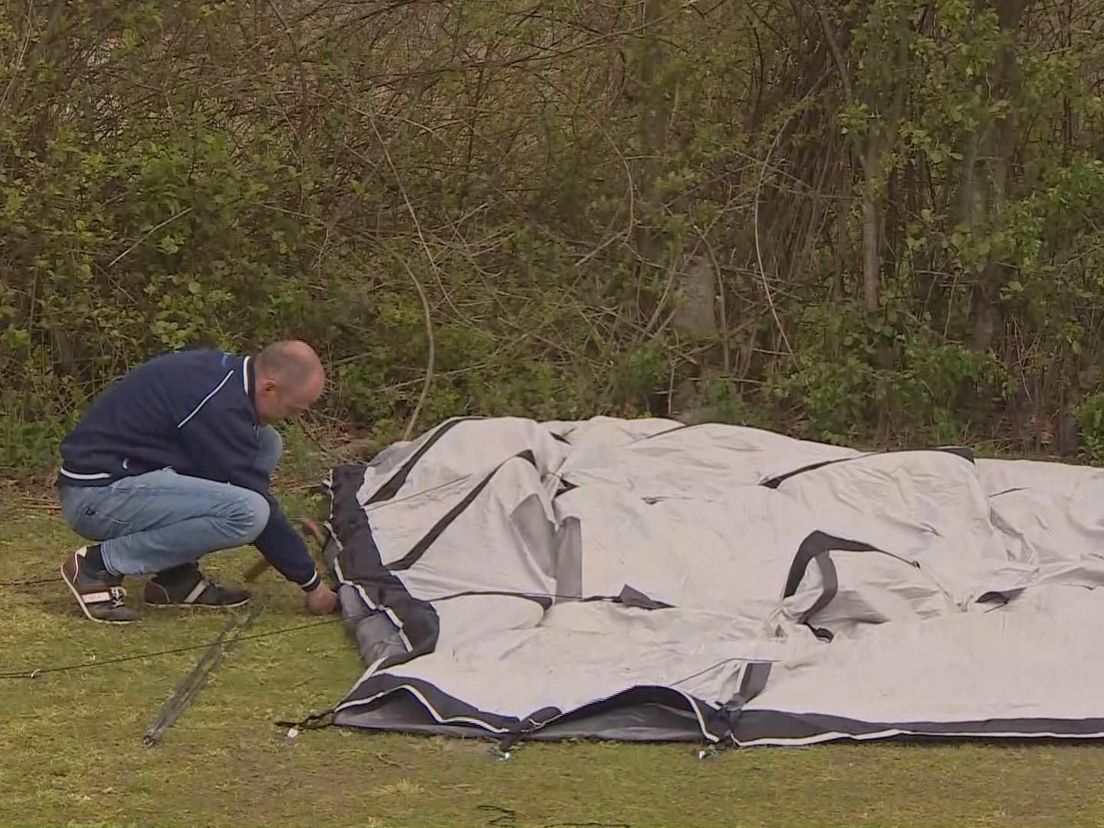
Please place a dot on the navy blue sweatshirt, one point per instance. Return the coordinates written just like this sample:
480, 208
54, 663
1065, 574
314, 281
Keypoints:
193, 411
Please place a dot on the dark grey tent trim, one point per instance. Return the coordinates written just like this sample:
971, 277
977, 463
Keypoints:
391, 488
776, 481
643, 703
641, 713
359, 566
775, 727
672, 430
433, 706
816, 547
418, 549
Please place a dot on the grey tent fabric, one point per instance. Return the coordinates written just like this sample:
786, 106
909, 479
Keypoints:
646, 580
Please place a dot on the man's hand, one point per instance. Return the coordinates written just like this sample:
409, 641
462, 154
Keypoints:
321, 600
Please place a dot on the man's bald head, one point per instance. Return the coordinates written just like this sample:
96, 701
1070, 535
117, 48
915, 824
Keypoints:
291, 361
289, 379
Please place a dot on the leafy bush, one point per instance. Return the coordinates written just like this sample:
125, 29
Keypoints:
900, 225
855, 377
1090, 422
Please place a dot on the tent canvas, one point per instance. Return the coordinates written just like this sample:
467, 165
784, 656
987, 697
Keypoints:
645, 580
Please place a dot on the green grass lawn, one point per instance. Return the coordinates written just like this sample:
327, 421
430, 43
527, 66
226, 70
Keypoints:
71, 750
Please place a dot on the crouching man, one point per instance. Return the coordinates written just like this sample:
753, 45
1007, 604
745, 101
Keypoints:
173, 462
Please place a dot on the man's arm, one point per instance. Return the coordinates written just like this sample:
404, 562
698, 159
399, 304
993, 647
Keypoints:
224, 447
286, 549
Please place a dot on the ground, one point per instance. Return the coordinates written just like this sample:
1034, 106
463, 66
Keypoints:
71, 750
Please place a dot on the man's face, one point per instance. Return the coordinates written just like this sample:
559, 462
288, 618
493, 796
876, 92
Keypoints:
276, 401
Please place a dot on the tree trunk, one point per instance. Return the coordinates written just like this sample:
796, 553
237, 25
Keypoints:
988, 173
654, 124
840, 261
12, 97
871, 153
871, 230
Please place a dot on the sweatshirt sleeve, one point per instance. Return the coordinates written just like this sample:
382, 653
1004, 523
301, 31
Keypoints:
286, 549
224, 446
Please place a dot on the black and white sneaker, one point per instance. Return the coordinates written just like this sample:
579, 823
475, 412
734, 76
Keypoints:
100, 594
186, 586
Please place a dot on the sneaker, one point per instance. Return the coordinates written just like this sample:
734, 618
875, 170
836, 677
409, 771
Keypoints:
186, 586
100, 594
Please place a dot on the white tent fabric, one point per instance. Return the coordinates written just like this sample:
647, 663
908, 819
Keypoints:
641, 579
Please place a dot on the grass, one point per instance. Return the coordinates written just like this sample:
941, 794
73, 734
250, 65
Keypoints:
71, 751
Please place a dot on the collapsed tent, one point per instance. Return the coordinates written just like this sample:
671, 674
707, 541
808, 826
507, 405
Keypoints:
646, 580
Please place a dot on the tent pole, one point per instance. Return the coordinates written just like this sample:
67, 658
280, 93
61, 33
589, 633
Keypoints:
189, 686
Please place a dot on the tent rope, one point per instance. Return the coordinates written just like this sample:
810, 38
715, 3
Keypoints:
38, 671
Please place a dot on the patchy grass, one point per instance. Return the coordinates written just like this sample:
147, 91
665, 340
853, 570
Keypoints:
71, 750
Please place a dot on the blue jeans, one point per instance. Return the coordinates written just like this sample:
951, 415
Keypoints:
161, 519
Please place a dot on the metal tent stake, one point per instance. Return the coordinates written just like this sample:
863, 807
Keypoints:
195, 680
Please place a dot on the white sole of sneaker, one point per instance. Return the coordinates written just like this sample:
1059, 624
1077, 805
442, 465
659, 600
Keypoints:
191, 601
81, 604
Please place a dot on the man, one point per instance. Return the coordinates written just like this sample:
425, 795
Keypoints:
173, 462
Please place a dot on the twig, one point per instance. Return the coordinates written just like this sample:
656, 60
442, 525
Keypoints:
758, 248
414, 217
306, 428
833, 47
21, 70
294, 45
146, 235
430, 359
755, 219
627, 232
668, 286
384, 760
417, 283
300, 487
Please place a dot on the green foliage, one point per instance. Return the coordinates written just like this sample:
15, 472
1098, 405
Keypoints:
542, 177
721, 400
856, 377
25, 444
1090, 421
